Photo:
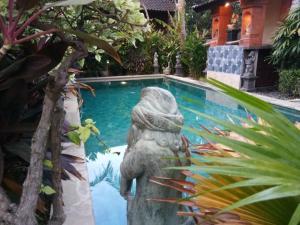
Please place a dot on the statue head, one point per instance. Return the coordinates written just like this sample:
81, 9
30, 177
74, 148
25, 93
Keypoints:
156, 116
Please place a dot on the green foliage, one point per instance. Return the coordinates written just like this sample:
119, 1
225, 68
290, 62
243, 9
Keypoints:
139, 58
48, 163
69, 3
200, 21
116, 22
267, 156
287, 42
94, 41
166, 43
289, 82
83, 132
46, 189
194, 54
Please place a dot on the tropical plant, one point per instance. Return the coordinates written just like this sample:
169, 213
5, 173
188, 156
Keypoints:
286, 47
289, 82
194, 54
166, 42
181, 9
200, 21
206, 206
83, 132
117, 22
268, 160
29, 93
251, 166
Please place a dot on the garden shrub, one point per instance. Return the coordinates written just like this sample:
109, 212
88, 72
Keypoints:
286, 47
289, 81
139, 58
194, 54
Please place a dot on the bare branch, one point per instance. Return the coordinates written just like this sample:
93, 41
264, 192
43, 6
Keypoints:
32, 184
58, 216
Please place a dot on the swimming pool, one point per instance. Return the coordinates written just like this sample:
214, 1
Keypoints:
111, 109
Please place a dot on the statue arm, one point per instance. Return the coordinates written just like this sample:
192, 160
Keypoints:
131, 168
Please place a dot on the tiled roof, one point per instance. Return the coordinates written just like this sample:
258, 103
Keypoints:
159, 5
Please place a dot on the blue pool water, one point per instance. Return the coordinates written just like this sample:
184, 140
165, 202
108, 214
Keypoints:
111, 110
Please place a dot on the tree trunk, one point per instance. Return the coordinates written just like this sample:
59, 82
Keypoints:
31, 187
58, 216
181, 15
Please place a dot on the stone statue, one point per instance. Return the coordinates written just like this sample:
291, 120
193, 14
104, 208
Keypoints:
249, 63
155, 63
167, 70
178, 66
248, 77
154, 135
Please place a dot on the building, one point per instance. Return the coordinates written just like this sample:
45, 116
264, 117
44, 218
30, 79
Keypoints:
240, 59
159, 9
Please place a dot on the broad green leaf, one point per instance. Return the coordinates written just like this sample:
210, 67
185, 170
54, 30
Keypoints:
236, 171
89, 121
84, 133
68, 3
95, 41
268, 141
282, 191
48, 163
263, 165
46, 189
81, 63
74, 137
95, 130
295, 220
259, 181
98, 58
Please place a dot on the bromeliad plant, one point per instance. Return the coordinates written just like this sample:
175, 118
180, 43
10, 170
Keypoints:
13, 29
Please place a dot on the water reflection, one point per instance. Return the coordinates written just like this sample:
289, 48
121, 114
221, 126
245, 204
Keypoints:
104, 177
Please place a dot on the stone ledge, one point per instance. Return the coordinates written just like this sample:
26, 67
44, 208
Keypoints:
121, 78
290, 104
76, 193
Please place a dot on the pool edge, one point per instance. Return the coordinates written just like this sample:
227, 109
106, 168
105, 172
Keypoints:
77, 196
290, 104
